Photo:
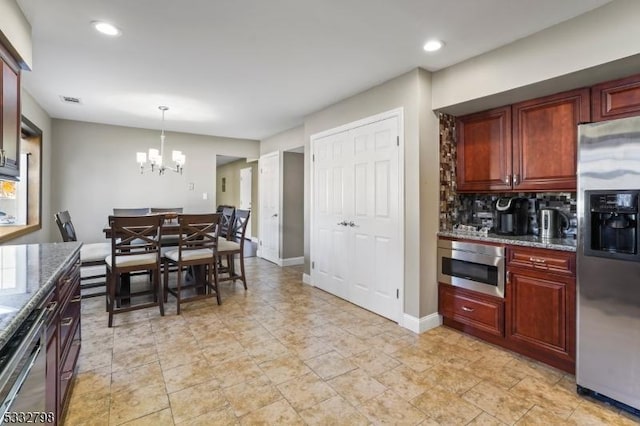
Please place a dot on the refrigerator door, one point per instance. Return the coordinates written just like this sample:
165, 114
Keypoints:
608, 322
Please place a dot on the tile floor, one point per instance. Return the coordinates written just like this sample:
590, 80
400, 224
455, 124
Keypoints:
286, 353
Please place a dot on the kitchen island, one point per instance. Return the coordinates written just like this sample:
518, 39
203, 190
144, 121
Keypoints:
39, 326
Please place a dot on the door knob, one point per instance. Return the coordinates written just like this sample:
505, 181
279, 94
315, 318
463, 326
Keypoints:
343, 223
352, 224
275, 215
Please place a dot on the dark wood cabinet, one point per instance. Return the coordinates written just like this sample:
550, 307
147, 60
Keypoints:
9, 117
541, 305
484, 151
529, 146
63, 338
616, 99
545, 141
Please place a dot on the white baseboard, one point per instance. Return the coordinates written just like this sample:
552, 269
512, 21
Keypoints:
306, 278
291, 261
420, 325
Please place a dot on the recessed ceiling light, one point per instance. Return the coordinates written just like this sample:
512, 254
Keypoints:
106, 28
433, 45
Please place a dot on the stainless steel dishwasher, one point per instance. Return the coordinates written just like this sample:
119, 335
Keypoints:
23, 374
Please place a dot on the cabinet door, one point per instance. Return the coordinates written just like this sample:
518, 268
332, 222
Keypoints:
10, 121
540, 318
616, 99
52, 390
545, 141
484, 151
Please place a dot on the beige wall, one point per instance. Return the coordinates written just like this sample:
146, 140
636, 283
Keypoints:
94, 170
48, 233
231, 197
287, 140
15, 31
562, 57
420, 226
292, 205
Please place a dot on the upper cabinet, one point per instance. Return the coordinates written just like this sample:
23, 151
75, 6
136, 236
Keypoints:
545, 139
9, 117
484, 151
529, 146
616, 99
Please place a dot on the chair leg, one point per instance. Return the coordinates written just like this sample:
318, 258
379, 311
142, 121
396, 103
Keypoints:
243, 277
157, 287
112, 296
165, 287
178, 290
215, 282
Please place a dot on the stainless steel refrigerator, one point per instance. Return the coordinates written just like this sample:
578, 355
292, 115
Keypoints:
608, 262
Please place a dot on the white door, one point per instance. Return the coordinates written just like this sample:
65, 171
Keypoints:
357, 227
332, 181
245, 194
269, 188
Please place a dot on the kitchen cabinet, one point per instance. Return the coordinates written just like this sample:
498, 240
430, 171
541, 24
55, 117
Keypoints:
541, 305
470, 311
63, 338
545, 141
616, 99
484, 151
9, 116
529, 146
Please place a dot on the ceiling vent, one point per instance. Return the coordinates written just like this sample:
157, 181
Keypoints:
70, 100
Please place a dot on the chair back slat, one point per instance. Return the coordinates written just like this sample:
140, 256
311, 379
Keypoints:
226, 221
240, 222
67, 230
131, 235
198, 231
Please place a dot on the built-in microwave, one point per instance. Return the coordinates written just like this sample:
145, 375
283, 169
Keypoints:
474, 266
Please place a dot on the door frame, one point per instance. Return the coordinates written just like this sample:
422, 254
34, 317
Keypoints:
249, 227
261, 187
399, 114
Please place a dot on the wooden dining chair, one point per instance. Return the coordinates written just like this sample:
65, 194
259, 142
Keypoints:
171, 213
91, 256
196, 250
135, 247
234, 245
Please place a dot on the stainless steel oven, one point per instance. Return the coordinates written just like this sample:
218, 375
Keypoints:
23, 373
474, 266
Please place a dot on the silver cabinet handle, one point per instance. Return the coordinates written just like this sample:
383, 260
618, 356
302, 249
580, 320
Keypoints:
516, 179
464, 308
66, 322
537, 260
507, 179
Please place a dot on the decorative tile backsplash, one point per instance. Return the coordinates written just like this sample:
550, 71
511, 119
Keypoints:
478, 209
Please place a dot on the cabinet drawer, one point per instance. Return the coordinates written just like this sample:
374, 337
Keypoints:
68, 280
552, 261
69, 319
473, 309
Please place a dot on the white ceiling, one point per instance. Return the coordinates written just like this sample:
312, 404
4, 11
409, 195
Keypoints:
253, 68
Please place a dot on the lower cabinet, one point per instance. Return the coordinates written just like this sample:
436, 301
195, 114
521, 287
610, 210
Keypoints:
541, 305
63, 339
537, 317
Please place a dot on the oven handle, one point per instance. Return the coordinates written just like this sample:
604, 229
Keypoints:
25, 346
8, 402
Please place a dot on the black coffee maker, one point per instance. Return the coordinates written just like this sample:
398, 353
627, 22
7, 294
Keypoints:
512, 216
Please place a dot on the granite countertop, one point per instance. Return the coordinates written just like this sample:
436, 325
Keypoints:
27, 273
564, 244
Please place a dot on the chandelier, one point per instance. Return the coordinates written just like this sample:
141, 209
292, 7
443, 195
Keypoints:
156, 157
